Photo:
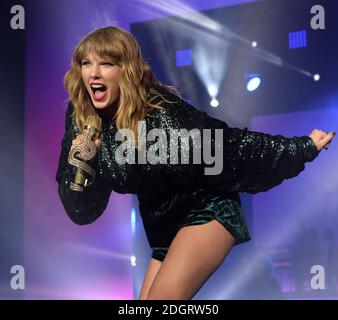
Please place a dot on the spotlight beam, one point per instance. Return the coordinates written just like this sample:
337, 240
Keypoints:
201, 21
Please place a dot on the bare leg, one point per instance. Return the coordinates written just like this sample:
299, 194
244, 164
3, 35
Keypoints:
193, 256
153, 267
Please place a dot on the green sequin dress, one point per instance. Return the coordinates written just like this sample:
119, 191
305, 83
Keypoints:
172, 196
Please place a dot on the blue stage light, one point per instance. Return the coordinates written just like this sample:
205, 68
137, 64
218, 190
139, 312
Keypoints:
253, 83
297, 39
133, 220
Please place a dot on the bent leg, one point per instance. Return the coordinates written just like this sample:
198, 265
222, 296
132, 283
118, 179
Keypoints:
193, 256
153, 267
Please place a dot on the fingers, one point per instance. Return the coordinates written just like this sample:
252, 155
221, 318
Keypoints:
82, 137
79, 139
76, 141
327, 140
97, 142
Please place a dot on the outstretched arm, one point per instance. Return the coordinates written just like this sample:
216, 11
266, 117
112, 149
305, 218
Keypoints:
252, 161
262, 161
81, 207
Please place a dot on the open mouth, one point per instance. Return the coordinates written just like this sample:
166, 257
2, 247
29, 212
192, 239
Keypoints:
99, 91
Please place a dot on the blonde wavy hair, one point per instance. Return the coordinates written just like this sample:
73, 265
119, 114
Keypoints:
137, 81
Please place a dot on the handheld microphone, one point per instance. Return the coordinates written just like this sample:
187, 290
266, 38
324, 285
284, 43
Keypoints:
85, 174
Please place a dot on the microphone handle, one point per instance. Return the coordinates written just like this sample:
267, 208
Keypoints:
81, 180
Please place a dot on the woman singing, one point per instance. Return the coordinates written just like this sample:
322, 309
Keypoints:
192, 217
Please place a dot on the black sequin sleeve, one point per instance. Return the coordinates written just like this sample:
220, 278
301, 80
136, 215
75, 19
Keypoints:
252, 161
81, 207
261, 161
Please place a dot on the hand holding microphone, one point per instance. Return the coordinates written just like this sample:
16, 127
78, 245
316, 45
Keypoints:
83, 148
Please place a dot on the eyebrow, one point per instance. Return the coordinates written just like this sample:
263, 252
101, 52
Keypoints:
100, 59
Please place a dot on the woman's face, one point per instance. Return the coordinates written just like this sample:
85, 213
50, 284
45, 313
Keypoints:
101, 78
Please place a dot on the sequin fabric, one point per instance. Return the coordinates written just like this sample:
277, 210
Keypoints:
174, 192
